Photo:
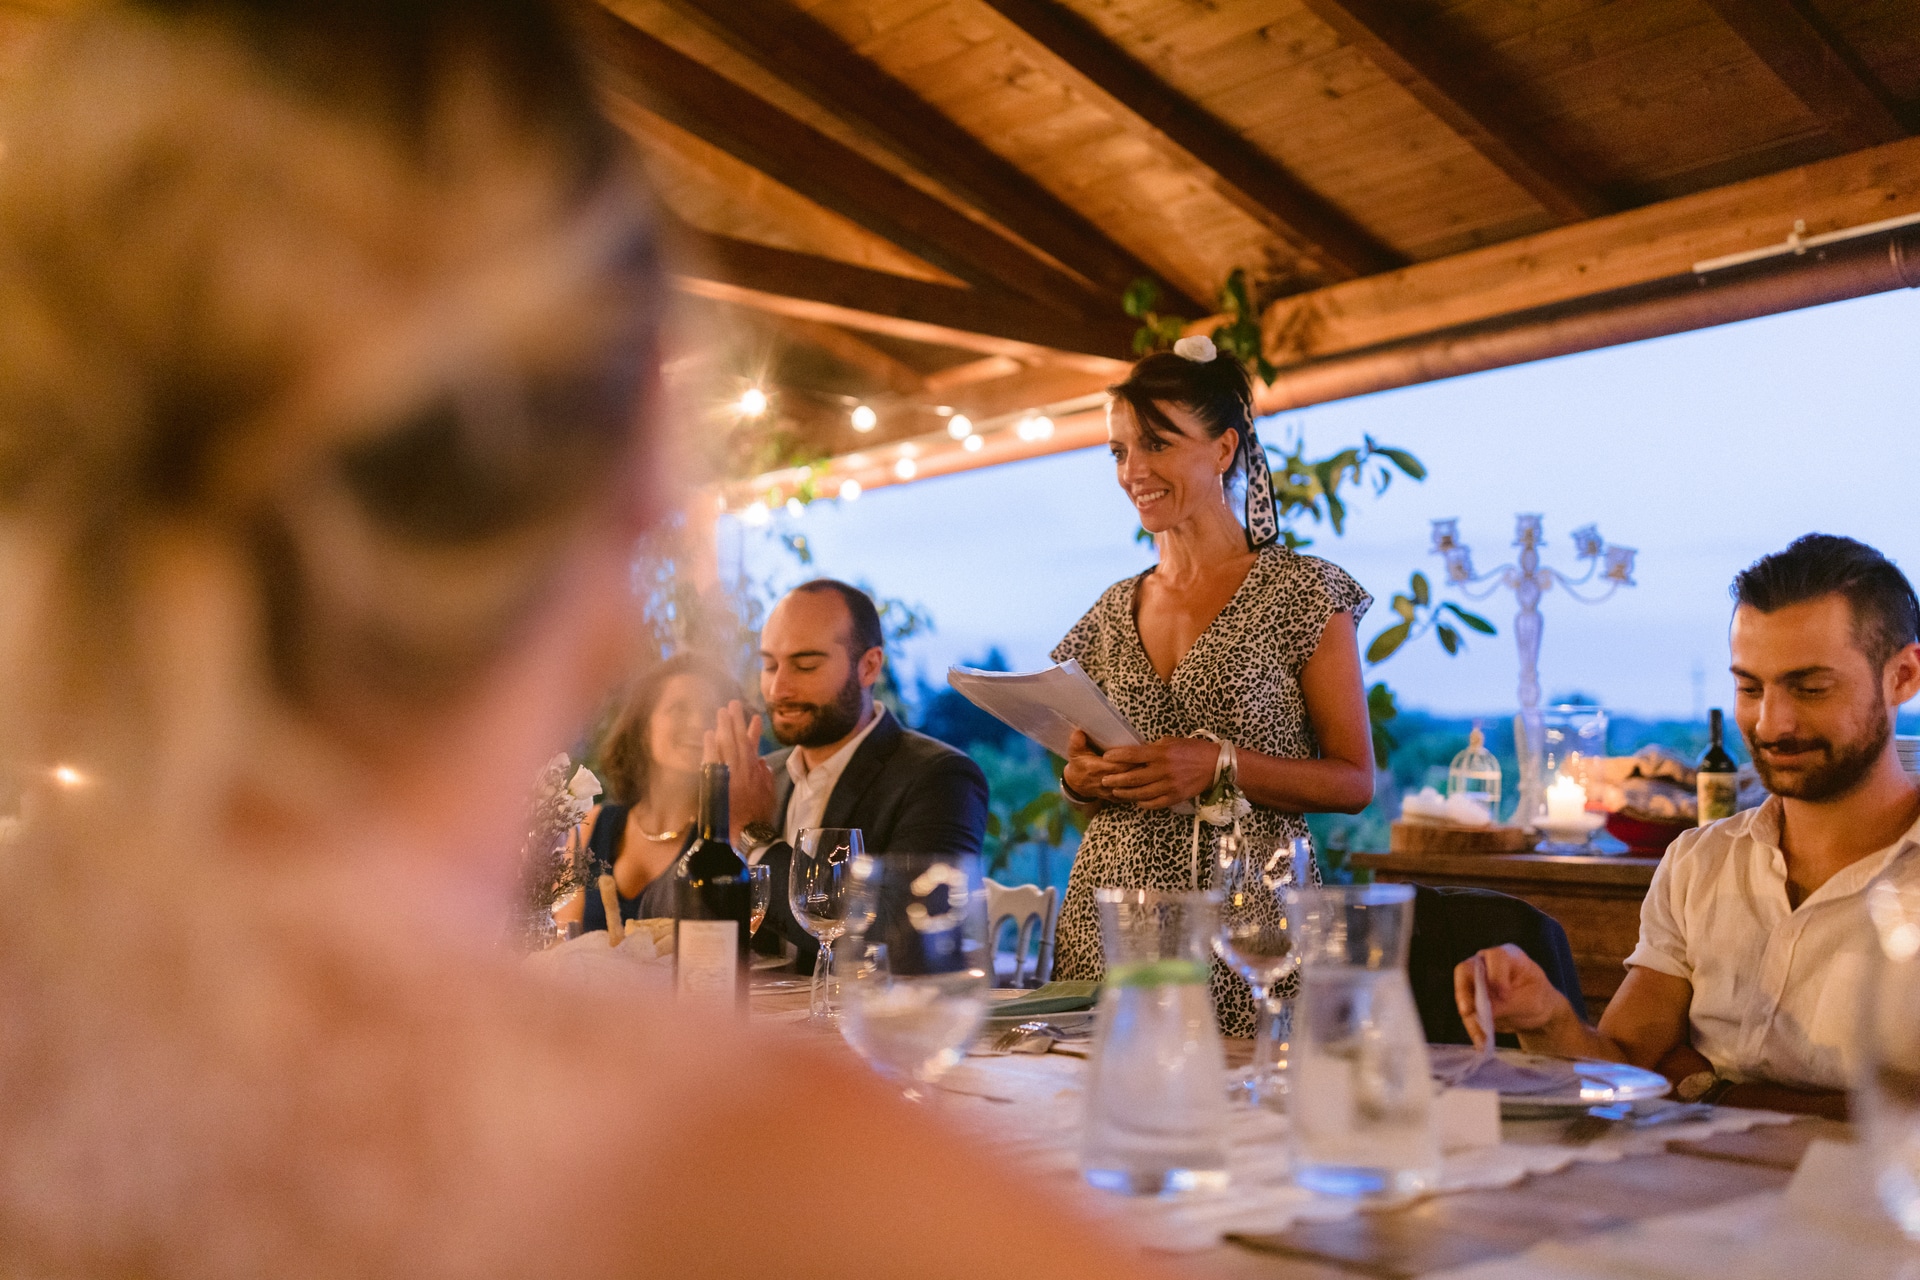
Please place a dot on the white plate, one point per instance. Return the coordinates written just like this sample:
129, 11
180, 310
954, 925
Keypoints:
1597, 1084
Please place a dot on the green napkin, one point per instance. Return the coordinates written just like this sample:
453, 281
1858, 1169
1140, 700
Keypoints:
1055, 997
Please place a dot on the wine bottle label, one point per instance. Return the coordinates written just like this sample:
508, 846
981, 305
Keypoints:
706, 960
1717, 796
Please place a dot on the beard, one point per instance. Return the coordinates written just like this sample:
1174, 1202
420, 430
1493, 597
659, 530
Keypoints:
1840, 768
820, 723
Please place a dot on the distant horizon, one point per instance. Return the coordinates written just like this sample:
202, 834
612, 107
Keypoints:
1703, 450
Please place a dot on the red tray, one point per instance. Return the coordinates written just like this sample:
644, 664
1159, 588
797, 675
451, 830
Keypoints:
1644, 837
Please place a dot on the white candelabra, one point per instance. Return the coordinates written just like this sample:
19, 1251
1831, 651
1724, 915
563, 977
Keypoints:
1528, 579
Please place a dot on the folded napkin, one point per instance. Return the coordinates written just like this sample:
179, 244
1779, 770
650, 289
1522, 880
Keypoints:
1055, 997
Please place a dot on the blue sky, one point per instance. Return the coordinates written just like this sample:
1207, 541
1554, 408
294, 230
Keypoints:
1702, 450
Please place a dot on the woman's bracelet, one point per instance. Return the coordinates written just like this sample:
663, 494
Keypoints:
1075, 796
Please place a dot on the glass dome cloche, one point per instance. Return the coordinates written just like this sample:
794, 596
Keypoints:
1475, 774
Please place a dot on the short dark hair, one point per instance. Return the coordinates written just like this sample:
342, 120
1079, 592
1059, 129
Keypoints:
865, 618
1216, 391
1886, 617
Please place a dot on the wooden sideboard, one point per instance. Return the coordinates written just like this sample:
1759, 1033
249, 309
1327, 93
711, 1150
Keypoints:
1596, 899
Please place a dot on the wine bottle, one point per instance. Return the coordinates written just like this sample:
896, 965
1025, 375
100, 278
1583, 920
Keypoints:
1714, 778
713, 904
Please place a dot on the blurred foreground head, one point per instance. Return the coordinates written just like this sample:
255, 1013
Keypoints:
327, 342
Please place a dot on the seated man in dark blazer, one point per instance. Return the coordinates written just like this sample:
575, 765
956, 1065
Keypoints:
845, 762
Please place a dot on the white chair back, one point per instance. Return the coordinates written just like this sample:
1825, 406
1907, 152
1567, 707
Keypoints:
1032, 910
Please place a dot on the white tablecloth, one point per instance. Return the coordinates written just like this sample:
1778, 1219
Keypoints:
1826, 1223
1031, 1107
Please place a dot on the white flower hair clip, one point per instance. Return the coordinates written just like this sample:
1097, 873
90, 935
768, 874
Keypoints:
1198, 348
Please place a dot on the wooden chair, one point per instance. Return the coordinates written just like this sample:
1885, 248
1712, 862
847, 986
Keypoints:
1031, 908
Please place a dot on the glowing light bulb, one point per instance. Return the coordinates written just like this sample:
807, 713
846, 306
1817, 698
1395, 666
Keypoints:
752, 403
68, 776
960, 426
850, 491
973, 444
1034, 428
905, 469
864, 418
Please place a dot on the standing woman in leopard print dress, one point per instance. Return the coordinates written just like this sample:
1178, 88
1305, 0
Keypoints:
1230, 635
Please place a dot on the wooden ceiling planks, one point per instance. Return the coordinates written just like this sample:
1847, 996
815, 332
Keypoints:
1817, 67
1340, 124
976, 69
1885, 36
1636, 93
1459, 94
803, 52
1319, 231
711, 190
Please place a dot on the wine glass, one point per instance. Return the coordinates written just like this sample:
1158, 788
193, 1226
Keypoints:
918, 990
760, 881
1254, 939
819, 889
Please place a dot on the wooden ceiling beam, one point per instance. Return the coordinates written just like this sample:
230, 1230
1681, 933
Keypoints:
806, 287
1622, 250
1818, 68
884, 370
647, 71
807, 55
1443, 83
1242, 172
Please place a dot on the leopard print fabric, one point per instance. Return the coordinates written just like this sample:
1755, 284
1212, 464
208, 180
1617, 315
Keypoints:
1241, 681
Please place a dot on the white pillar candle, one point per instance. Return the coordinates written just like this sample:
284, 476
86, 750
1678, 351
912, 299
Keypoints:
1566, 801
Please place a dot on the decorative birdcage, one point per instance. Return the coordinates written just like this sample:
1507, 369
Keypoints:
1475, 774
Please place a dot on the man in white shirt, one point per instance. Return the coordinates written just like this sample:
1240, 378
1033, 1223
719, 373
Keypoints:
847, 762
1754, 938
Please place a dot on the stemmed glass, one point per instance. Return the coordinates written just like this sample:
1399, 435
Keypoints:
1253, 938
918, 990
819, 888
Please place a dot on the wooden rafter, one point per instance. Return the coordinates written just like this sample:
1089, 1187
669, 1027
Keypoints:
884, 370
1817, 67
635, 65
1616, 252
811, 288
806, 54
1242, 172
1446, 86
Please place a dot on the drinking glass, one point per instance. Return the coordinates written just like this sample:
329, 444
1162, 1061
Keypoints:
1361, 1105
760, 881
1256, 942
918, 988
819, 888
1156, 1118
1887, 1093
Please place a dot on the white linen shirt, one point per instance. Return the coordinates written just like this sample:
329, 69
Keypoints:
1776, 990
812, 788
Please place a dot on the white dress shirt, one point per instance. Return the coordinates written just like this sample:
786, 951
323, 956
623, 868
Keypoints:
813, 787
1776, 989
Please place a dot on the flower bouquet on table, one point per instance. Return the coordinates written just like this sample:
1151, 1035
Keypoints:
554, 863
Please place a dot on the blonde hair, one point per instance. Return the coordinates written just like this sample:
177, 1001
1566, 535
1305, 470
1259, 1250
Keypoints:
315, 321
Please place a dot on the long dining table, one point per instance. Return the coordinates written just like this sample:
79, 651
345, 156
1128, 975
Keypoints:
1431, 1234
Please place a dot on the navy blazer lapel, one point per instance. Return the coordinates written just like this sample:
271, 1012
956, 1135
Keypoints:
782, 785
868, 763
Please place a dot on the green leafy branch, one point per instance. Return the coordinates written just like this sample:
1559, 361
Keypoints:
1311, 487
1043, 819
1418, 613
1238, 335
